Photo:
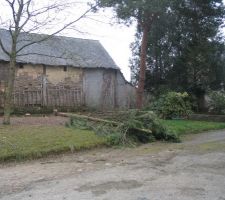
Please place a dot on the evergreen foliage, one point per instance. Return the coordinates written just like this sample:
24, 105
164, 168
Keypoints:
185, 48
145, 13
217, 102
172, 105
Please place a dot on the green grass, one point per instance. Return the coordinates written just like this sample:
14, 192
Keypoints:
30, 142
182, 127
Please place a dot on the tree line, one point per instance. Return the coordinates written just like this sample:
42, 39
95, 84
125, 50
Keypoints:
179, 44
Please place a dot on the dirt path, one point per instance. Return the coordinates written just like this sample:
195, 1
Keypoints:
194, 170
39, 121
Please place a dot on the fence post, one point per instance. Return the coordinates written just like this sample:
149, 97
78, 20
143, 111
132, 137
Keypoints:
44, 90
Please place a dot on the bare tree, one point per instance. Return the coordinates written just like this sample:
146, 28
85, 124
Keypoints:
29, 16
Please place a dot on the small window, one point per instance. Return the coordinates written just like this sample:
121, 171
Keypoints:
65, 69
21, 66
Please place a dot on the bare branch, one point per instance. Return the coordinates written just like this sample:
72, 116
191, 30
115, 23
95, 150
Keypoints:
58, 31
28, 15
11, 4
99, 21
3, 48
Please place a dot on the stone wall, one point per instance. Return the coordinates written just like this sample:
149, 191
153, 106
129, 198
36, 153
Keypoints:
64, 77
28, 77
31, 76
3, 75
103, 89
40, 85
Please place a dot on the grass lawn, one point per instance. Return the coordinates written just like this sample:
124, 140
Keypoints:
29, 142
182, 127
19, 142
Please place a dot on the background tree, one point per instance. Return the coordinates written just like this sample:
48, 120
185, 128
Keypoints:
159, 54
185, 49
144, 13
28, 16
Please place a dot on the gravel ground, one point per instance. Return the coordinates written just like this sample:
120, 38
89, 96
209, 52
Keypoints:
194, 170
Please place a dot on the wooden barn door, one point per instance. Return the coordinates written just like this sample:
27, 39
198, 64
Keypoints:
108, 90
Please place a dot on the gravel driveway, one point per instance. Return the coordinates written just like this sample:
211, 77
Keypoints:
194, 170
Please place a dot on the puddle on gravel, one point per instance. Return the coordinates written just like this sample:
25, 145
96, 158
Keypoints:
189, 191
102, 188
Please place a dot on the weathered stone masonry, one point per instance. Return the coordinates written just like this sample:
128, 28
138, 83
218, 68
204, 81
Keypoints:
41, 85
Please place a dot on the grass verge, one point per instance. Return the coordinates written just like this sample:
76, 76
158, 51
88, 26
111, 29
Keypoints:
31, 142
182, 127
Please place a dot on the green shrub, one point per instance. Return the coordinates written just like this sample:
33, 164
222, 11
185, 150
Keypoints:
217, 102
172, 105
152, 122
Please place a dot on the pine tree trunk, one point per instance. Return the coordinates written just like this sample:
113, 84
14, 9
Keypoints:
142, 73
9, 90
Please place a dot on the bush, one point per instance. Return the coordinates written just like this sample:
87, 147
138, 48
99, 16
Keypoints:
152, 122
172, 105
217, 102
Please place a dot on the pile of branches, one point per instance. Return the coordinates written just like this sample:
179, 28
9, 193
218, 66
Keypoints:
127, 128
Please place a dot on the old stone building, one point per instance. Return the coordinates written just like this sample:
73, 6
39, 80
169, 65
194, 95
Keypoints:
64, 71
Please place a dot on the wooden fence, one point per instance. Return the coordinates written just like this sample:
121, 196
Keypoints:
49, 98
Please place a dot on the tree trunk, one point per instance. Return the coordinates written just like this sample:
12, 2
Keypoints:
142, 73
9, 90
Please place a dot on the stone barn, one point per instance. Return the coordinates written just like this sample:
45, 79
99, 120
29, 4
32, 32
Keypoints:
65, 72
